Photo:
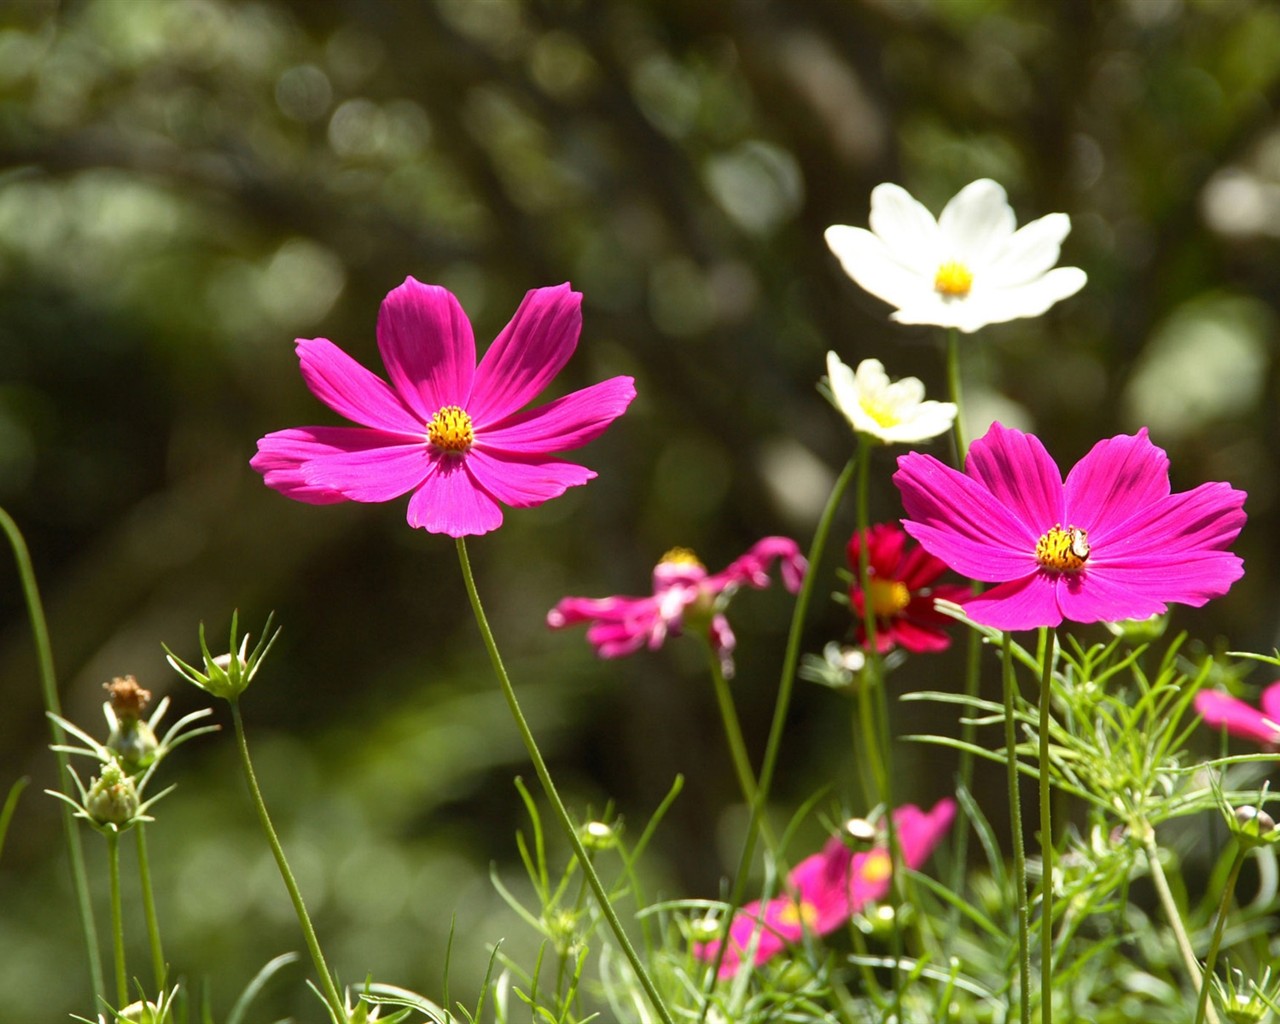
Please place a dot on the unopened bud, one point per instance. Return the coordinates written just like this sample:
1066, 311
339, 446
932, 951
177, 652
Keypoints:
112, 798
1255, 820
860, 831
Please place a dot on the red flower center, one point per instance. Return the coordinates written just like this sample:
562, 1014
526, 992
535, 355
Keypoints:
450, 430
1063, 550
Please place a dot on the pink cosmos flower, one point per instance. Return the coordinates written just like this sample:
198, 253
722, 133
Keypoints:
1223, 711
1110, 543
825, 890
900, 583
445, 429
682, 588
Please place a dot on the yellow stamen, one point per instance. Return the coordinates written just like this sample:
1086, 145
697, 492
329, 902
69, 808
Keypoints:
953, 280
877, 867
681, 556
1063, 550
888, 597
798, 913
450, 430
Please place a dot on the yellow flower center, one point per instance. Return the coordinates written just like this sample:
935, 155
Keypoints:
953, 280
877, 867
450, 430
1063, 550
799, 913
681, 556
888, 597
885, 414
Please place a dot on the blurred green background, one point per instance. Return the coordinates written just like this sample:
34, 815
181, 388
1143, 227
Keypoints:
185, 187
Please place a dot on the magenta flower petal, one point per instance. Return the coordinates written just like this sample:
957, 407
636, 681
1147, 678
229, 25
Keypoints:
523, 482
448, 501
1026, 603
282, 454
1018, 472
1118, 475
1271, 702
565, 423
350, 390
965, 525
529, 352
427, 345
1122, 547
1223, 711
429, 430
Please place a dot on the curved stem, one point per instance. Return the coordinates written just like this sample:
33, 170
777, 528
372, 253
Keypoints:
117, 919
149, 908
1170, 906
1046, 835
1211, 960
553, 795
1015, 828
782, 704
49, 687
327, 986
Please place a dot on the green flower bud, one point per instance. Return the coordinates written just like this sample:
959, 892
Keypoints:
598, 835
1139, 631
112, 797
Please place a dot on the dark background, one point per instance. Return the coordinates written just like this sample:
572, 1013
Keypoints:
185, 187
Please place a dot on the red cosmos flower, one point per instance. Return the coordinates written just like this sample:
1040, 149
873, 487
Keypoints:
901, 576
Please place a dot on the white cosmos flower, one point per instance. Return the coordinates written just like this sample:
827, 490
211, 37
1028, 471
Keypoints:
966, 269
893, 412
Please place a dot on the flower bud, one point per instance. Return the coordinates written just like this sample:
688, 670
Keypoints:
598, 835
112, 797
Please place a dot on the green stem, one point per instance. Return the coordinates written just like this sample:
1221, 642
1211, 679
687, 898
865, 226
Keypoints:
1015, 828
49, 687
1046, 835
953, 383
149, 908
782, 704
553, 795
117, 919
733, 736
1219, 926
327, 986
1170, 906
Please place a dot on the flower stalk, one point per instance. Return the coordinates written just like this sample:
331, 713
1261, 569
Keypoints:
1047, 638
553, 795
1015, 827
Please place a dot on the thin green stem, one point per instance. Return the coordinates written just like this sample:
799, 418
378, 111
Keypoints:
327, 986
1219, 926
553, 795
117, 919
49, 687
1015, 828
1170, 906
149, 907
782, 704
1046, 834
954, 385
733, 736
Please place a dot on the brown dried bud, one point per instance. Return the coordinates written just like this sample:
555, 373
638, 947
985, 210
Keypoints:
128, 699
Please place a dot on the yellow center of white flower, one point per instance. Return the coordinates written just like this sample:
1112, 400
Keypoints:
880, 409
888, 597
953, 280
799, 913
1063, 550
450, 430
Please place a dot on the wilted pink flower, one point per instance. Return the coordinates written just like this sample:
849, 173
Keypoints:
445, 429
901, 580
825, 890
682, 588
1110, 543
1223, 711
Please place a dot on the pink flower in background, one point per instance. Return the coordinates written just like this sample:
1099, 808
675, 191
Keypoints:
901, 578
682, 587
1110, 543
1223, 711
445, 431
825, 890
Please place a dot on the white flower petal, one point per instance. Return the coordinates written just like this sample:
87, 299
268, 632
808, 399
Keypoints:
1032, 250
907, 229
976, 224
862, 394
867, 260
1034, 297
